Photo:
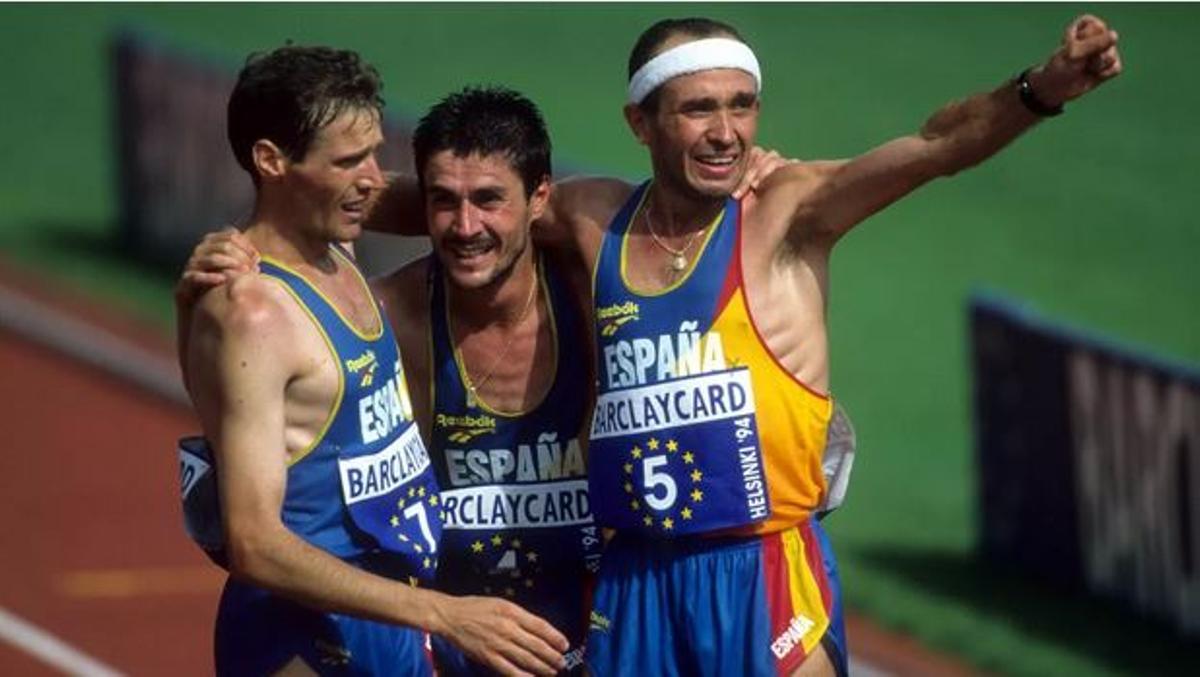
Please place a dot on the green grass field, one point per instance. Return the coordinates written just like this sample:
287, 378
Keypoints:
1091, 218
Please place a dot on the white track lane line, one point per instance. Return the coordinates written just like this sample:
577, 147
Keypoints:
92, 345
50, 649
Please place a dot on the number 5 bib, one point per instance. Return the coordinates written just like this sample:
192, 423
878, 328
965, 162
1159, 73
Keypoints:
680, 456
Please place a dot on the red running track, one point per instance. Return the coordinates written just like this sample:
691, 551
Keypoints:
92, 549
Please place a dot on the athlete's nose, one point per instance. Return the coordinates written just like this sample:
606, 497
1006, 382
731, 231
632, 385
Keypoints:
466, 220
372, 176
720, 132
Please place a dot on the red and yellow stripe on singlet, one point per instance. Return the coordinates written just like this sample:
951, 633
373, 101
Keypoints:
792, 419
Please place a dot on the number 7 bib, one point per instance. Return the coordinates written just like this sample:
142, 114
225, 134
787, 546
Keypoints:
387, 493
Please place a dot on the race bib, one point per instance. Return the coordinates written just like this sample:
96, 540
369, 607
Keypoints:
513, 528
198, 492
679, 457
392, 496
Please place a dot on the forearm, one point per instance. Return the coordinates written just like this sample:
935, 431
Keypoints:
578, 213
399, 209
964, 133
278, 560
827, 202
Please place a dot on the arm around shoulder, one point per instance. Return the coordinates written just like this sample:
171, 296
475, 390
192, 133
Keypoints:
399, 209
579, 211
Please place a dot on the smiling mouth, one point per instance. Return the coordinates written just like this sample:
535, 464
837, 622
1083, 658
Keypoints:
466, 251
716, 162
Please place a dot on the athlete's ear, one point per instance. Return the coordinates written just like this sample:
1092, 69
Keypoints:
269, 161
638, 122
540, 198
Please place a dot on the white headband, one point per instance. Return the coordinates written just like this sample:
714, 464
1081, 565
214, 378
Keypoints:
693, 57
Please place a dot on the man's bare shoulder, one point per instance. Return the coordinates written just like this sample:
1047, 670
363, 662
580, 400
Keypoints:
797, 178
403, 292
248, 334
786, 201
405, 298
247, 306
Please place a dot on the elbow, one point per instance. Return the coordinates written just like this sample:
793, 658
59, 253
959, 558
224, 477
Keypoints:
949, 157
249, 551
954, 145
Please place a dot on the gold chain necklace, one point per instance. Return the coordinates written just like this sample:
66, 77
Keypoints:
474, 385
678, 256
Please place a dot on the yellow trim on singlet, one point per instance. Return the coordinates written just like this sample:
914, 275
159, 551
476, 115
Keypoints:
366, 336
687, 272
337, 361
543, 287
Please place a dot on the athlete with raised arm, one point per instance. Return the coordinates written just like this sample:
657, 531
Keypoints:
713, 408
712, 358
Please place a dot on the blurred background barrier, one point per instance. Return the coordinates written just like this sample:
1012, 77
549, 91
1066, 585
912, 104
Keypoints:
1088, 462
173, 188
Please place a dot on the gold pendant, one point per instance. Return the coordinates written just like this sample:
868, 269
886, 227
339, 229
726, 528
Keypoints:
678, 263
472, 401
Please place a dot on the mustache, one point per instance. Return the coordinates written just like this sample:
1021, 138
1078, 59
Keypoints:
480, 240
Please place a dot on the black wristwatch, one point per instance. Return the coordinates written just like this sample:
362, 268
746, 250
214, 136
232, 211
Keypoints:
1031, 101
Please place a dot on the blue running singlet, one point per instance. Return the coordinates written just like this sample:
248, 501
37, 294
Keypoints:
365, 492
518, 522
705, 455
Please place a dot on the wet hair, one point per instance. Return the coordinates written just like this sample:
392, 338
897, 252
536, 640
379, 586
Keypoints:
486, 121
287, 95
649, 42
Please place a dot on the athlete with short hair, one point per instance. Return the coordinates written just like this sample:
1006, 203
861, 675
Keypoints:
712, 358
707, 443
496, 347
496, 354
328, 497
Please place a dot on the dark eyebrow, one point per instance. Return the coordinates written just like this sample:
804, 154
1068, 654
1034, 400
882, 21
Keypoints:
440, 192
699, 104
354, 156
487, 193
744, 99
360, 154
